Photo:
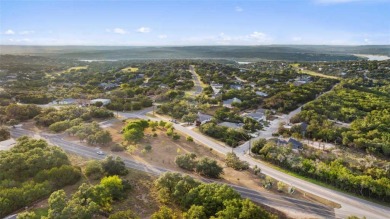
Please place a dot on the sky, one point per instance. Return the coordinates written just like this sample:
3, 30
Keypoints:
200, 22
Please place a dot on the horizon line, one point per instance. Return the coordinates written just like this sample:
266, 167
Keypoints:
69, 45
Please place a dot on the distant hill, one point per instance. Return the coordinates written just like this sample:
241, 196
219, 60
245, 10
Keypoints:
238, 53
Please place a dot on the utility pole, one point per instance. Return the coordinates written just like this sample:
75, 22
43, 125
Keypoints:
249, 148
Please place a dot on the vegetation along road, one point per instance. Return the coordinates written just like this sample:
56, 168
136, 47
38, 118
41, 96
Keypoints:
350, 205
276, 201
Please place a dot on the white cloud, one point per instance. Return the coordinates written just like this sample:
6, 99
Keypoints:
9, 32
116, 30
296, 39
260, 37
119, 31
26, 32
25, 40
162, 36
239, 9
144, 30
254, 38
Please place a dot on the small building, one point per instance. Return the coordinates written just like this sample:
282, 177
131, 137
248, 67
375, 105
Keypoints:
108, 86
231, 125
67, 101
104, 101
228, 103
258, 116
291, 141
203, 118
262, 94
236, 86
295, 143
163, 86
301, 80
216, 87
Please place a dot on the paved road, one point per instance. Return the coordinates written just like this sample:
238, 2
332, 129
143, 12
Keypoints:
301, 207
195, 77
351, 205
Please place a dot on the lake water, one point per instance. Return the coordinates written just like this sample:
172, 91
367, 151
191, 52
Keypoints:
373, 57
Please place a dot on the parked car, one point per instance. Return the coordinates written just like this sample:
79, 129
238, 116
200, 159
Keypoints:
100, 152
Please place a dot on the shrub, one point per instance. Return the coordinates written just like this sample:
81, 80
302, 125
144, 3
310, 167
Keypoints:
175, 136
234, 162
117, 147
208, 167
148, 147
94, 169
186, 161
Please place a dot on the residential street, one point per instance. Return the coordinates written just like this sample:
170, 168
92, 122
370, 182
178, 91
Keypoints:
295, 206
197, 84
351, 205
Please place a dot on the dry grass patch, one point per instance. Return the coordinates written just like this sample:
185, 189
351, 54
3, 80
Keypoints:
312, 73
130, 70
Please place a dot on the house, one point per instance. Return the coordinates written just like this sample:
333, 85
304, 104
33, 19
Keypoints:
258, 116
291, 141
252, 84
108, 86
231, 125
236, 86
228, 103
138, 76
262, 94
163, 86
104, 101
68, 101
302, 80
295, 143
203, 118
146, 84
216, 87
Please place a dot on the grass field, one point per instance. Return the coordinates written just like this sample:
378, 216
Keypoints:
130, 69
312, 73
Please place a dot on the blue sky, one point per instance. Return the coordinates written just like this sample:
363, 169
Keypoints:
201, 22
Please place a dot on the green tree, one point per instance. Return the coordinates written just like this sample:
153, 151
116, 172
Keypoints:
4, 134
210, 196
164, 213
208, 167
114, 186
114, 166
195, 212
133, 135
128, 214
103, 137
258, 145
57, 203
94, 169
186, 161
189, 118
234, 162
27, 215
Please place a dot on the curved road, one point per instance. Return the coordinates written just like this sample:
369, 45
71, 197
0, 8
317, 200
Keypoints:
283, 203
350, 205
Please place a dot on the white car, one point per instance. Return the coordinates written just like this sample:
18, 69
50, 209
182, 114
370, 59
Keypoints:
100, 152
